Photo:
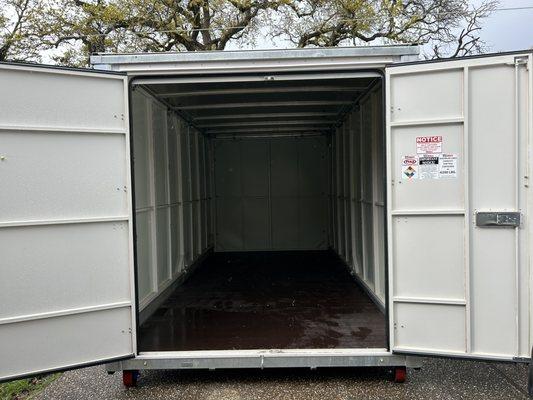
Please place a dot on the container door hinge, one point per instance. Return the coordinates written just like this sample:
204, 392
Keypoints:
522, 61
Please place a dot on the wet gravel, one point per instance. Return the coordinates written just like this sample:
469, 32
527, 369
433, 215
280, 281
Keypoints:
437, 379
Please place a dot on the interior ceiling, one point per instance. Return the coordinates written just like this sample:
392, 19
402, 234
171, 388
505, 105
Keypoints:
266, 107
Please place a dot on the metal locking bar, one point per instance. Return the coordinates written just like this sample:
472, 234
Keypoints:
504, 219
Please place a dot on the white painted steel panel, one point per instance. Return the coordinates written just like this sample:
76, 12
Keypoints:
228, 168
255, 167
312, 223
187, 233
196, 207
271, 193
202, 178
346, 190
285, 223
144, 108
437, 253
229, 224
173, 166
85, 174
159, 131
41, 345
493, 142
45, 98
311, 171
65, 192
141, 149
427, 194
424, 270
172, 227
145, 256
163, 245
426, 96
284, 167
175, 239
367, 193
255, 214
41, 255
187, 194
355, 193
339, 195
378, 189
443, 328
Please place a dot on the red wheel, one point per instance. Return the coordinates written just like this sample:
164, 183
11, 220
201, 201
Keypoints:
400, 374
129, 378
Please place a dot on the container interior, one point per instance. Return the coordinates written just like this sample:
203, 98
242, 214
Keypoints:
260, 213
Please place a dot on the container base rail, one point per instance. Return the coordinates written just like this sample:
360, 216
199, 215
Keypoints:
271, 359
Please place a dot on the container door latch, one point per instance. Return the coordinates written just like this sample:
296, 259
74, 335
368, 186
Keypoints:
503, 219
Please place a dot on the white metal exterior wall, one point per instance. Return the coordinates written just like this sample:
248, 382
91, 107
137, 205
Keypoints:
271, 193
171, 197
66, 265
358, 193
460, 289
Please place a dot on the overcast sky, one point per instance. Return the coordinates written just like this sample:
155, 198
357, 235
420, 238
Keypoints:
510, 30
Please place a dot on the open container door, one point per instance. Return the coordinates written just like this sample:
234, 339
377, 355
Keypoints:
457, 155
66, 265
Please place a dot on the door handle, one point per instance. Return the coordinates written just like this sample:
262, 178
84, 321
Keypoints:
502, 219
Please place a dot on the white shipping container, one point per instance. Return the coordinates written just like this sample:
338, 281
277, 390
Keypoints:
118, 184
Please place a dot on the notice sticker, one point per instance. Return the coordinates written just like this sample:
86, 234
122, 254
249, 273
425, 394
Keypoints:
428, 167
429, 144
448, 166
410, 167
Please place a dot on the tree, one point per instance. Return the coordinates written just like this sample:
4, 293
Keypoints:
75, 29
71, 30
18, 41
439, 23
148, 25
198, 24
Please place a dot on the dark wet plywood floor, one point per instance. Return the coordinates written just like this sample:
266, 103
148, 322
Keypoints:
284, 300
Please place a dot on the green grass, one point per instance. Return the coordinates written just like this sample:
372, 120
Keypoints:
25, 388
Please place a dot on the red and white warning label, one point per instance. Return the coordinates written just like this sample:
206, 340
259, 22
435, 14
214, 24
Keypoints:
428, 144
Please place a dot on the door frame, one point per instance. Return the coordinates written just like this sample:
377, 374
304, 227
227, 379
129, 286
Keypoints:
236, 77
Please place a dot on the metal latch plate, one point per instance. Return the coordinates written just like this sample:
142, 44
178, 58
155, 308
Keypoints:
504, 219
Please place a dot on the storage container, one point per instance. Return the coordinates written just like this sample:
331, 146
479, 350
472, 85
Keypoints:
259, 209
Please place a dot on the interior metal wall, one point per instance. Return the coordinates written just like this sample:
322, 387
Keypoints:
357, 198
172, 198
271, 193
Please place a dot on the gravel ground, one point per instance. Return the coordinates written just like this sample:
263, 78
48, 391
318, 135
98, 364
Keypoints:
438, 379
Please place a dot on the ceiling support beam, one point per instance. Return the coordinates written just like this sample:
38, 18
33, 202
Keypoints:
266, 129
294, 103
266, 115
268, 123
296, 89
